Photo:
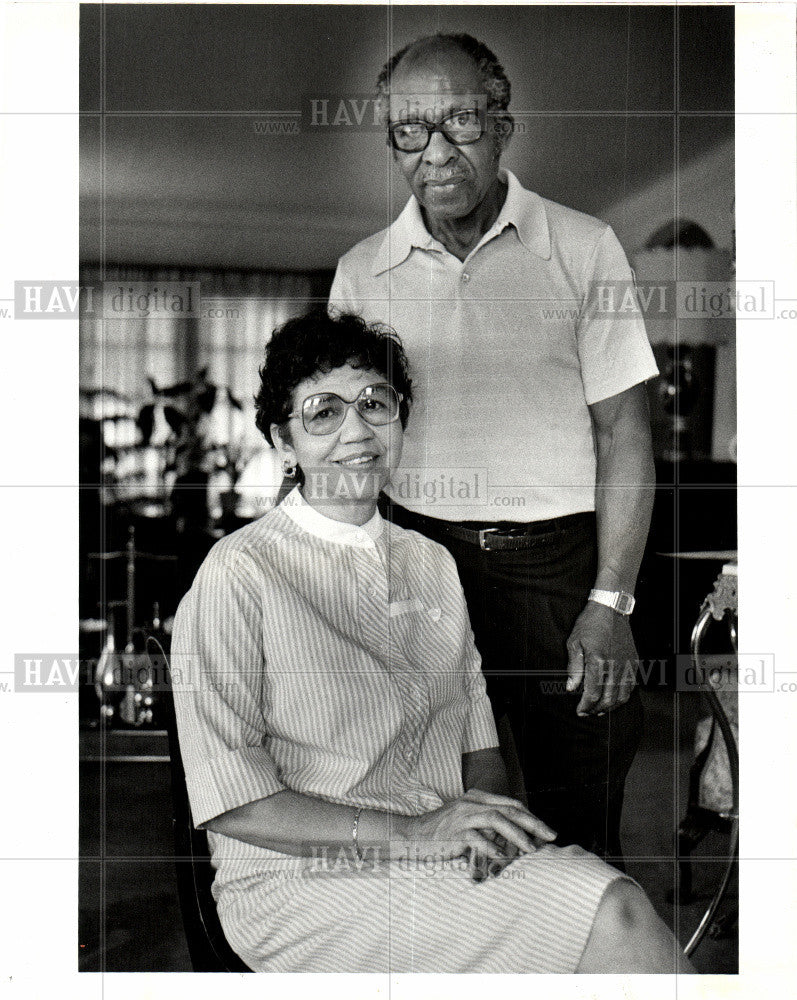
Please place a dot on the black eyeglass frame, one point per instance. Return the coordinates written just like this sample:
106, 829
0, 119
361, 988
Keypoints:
399, 397
432, 127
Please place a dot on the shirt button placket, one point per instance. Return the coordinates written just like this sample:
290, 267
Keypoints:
373, 600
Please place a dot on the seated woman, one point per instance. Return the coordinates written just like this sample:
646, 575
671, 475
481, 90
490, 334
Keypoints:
338, 743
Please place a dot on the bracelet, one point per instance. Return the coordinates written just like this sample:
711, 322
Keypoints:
354, 830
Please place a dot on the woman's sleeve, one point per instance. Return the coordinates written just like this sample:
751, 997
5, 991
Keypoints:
480, 732
218, 672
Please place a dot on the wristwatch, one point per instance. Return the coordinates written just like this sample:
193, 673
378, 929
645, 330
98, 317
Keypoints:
618, 600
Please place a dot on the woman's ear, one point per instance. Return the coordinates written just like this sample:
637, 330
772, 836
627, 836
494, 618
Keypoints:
281, 437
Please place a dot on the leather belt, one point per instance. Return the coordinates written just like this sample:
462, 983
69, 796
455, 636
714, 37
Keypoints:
507, 536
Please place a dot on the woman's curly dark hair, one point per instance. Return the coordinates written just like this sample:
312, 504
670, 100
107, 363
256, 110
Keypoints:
319, 342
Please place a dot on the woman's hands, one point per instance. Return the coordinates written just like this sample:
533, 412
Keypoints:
489, 829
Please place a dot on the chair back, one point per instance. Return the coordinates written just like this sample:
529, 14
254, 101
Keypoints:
207, 944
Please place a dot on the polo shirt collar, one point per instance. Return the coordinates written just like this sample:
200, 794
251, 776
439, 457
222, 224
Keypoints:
525, 211
339, 532
522, 209
406, 232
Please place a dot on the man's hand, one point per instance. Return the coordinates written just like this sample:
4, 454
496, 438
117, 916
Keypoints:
602, 655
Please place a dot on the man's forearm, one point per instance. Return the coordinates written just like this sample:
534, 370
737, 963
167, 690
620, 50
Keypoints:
623, 518
623, 499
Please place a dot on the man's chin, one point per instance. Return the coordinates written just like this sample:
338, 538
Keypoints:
445, 209
446, 202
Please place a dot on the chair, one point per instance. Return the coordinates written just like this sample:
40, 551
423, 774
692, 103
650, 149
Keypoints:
207, 945
713, 802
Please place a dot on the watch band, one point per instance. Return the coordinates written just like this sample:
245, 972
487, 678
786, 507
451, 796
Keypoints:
618, 600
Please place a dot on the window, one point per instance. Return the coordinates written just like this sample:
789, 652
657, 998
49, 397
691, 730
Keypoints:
141, 376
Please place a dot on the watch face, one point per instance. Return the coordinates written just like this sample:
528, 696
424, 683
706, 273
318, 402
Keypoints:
625, 604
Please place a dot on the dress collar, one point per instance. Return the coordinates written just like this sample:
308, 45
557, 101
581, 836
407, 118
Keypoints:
340, 532
522, 209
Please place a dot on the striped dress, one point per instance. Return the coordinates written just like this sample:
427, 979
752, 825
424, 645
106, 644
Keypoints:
338, 661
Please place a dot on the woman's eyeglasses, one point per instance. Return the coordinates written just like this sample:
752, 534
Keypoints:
325, 412
460, 128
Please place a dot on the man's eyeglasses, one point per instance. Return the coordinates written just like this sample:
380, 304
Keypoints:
460, 128
325, 412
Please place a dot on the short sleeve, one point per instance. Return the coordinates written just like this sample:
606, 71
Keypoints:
217, 668
479, 732
341, 295
613, 347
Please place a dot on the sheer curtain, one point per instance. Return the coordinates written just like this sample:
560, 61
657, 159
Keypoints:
125, 364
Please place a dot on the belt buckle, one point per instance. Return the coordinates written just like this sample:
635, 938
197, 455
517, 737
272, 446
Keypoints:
483, 537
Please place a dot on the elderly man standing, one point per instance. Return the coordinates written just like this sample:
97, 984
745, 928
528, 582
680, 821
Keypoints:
529, 453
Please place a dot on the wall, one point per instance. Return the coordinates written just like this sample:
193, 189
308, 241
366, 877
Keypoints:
175, 171
702, 189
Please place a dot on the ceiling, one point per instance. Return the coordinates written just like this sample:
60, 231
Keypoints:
175, 168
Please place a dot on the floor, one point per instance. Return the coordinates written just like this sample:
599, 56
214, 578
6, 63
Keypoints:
129, 918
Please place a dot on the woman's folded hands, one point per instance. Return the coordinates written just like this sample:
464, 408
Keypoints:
489, 830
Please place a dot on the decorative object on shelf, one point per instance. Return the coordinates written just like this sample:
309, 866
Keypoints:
685, 286
126, 687
680, 233
681, 402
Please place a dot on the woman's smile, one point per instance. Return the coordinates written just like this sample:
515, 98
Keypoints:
345, 469
355, 461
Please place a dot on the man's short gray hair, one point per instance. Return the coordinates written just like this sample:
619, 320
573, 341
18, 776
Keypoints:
494, 79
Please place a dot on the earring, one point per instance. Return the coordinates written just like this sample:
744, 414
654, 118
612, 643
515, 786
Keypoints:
288, 469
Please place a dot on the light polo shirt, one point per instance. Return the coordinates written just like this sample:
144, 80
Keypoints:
331, 659
507, 350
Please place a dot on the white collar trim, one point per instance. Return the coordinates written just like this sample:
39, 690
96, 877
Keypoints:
522, 209
340, 532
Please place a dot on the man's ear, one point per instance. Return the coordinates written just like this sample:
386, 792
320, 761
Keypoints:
503, 126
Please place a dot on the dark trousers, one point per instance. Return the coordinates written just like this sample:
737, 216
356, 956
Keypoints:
523, 606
